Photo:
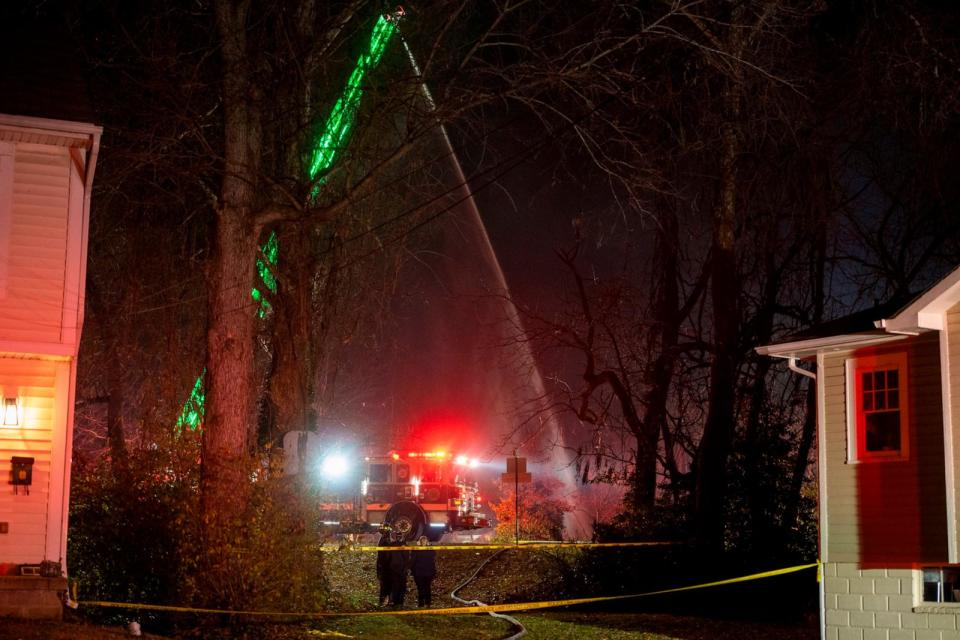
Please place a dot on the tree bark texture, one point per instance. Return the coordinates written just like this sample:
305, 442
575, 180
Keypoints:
718, 430
230, 386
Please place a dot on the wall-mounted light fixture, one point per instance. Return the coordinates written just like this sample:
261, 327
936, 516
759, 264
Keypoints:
11, 412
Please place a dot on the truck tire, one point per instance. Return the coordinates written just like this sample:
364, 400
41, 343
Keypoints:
407, 519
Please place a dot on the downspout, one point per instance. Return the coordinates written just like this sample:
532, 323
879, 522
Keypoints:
792, 364
71, 395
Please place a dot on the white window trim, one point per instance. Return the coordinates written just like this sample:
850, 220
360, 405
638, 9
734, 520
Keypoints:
898, 359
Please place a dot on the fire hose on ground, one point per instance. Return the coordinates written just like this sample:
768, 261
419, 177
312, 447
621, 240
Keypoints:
521, 630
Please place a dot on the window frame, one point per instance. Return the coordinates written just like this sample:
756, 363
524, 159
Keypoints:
856, 420
943, 597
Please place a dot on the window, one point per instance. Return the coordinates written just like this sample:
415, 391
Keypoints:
877, 407
379, 473
941, 584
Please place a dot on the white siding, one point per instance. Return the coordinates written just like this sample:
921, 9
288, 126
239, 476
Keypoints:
900, 505
43, 420
31, 306
952, 343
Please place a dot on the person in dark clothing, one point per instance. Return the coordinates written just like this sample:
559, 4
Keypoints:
399, 569
383, 569
424, 569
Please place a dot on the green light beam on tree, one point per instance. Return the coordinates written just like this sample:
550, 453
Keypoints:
269, 251
331, 140
192, 412
334, 135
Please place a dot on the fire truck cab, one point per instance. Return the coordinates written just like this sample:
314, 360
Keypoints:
417, 493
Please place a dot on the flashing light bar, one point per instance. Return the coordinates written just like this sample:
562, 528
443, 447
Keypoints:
441, 455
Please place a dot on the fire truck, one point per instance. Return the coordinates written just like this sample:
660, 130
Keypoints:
421, 493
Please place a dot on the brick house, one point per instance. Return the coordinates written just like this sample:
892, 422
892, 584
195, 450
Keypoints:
48, 151
888, 414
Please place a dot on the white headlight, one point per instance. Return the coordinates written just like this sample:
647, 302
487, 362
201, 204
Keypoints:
335, 466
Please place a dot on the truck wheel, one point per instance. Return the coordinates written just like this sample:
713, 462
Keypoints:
407, 519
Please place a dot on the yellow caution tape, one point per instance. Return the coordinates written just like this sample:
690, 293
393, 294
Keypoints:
493, 608
484, 547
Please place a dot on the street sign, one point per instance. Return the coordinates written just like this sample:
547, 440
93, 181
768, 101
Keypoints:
516, 471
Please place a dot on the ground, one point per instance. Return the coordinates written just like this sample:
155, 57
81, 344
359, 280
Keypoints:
554, 626
514, 576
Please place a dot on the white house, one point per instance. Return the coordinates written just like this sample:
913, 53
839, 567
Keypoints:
888, 391
46, 171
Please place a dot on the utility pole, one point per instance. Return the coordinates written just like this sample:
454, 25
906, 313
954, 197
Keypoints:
516, 471
516, 496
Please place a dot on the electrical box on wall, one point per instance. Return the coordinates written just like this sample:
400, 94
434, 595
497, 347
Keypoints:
22, 474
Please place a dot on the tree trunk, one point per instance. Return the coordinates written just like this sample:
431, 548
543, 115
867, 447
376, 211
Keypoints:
291, 389
718, 430
230, 388
667, 318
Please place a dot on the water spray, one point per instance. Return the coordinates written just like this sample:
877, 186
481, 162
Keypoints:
562, 470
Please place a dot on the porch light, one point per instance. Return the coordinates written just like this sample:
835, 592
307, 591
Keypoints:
11, 412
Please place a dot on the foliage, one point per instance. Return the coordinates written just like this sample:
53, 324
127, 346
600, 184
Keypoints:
760, 476
135, 537
274, 562
541, 512
130, 533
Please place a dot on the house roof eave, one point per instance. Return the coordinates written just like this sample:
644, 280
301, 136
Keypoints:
58, 132
810, 348
927, 311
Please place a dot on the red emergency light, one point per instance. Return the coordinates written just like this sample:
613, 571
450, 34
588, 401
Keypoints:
425, 454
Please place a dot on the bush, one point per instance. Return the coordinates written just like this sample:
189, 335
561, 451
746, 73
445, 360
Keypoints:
135, 537
128, 529
541, 513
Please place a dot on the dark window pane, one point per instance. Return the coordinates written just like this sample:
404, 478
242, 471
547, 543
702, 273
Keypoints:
893, 399
883, 431
931, 588
868, 401
879, 379
893, 379
867, 381
951, 585
379, 473
880, 400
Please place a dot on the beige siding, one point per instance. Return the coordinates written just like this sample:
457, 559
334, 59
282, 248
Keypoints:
952, 329
35, 382
887, 512
32, 305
